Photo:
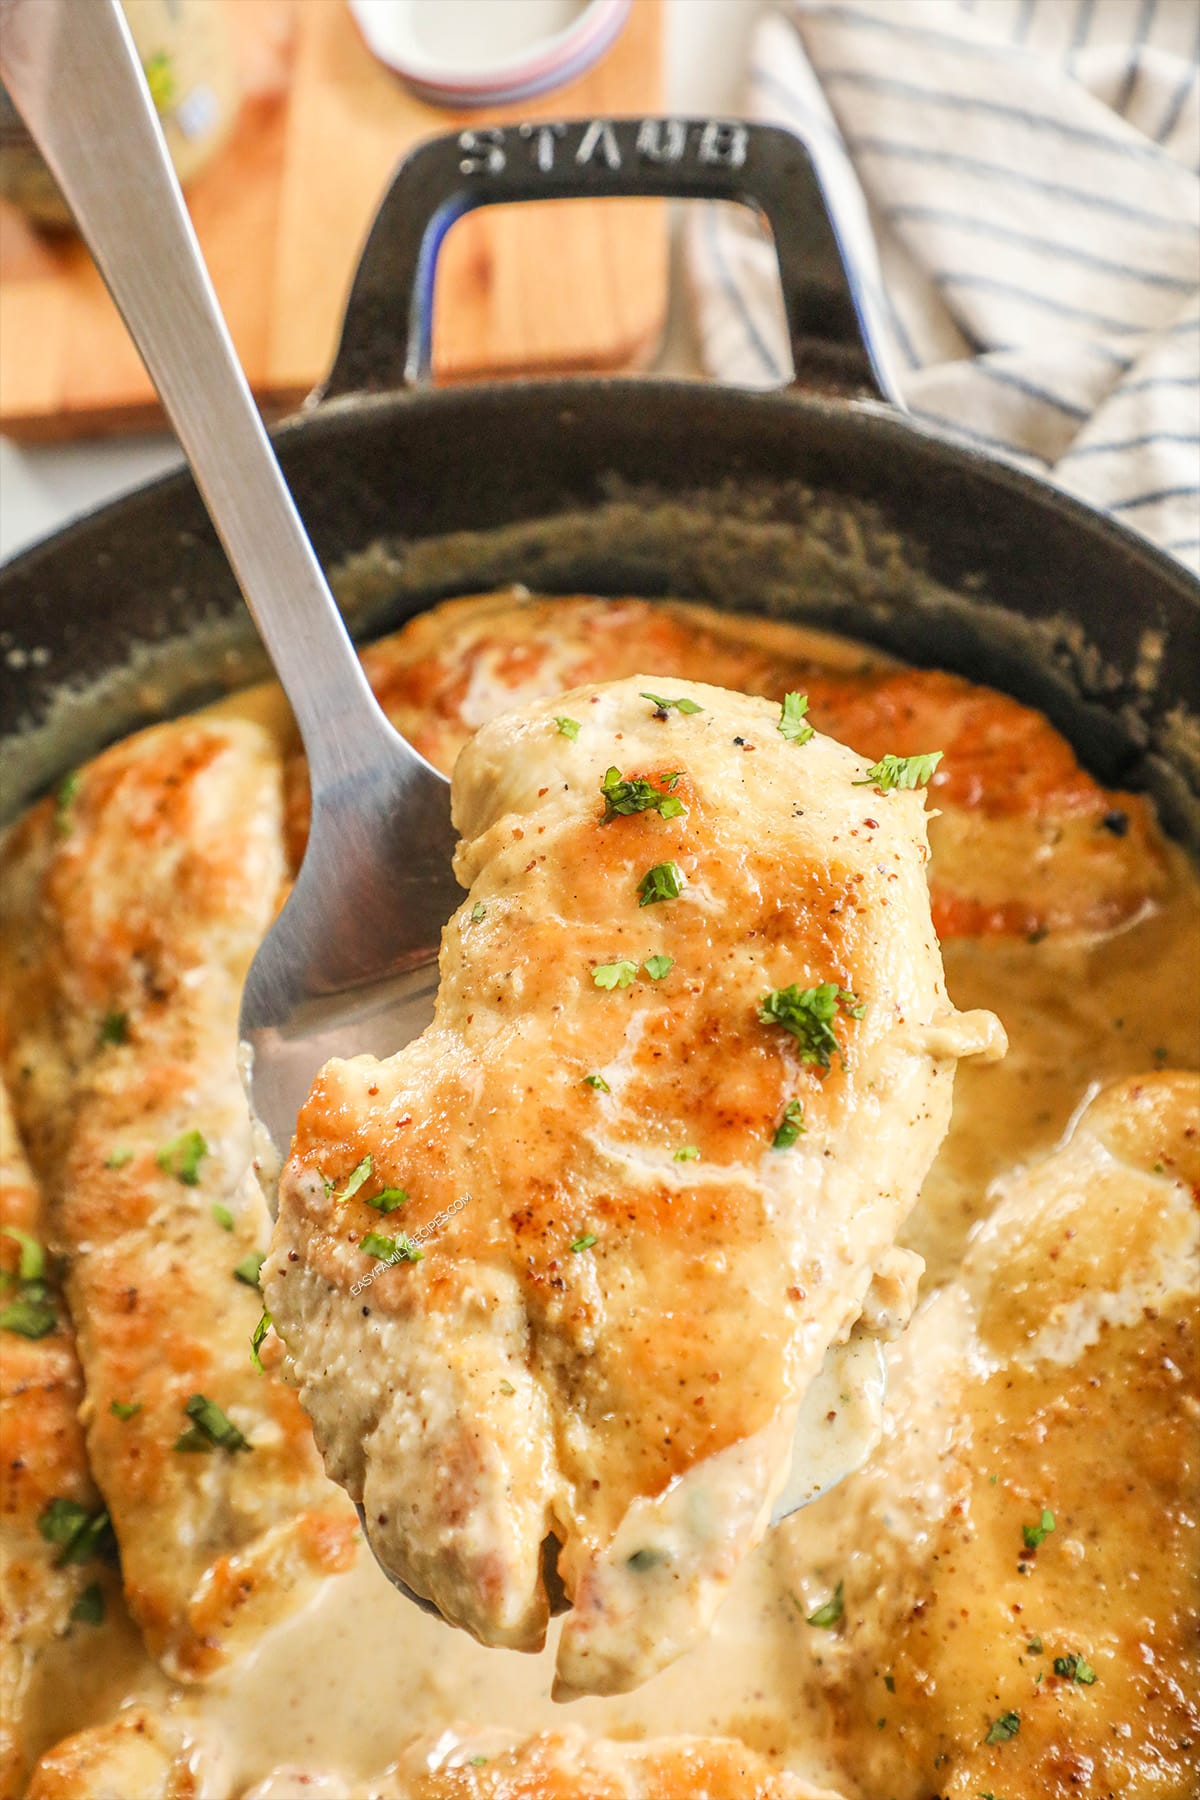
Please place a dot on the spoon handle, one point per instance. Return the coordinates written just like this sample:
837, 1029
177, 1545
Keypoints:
74, 76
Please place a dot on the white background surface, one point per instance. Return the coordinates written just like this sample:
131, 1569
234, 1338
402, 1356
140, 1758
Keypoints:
41, 488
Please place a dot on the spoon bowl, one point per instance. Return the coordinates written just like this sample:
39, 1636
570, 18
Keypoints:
350, 965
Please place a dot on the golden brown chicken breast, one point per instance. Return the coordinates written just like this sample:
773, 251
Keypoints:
561, 1765
53, 1530
130, 910
1027, 842
566, 1266
138, 1756
1017, 1598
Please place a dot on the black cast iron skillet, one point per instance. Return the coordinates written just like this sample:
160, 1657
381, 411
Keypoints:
819, 502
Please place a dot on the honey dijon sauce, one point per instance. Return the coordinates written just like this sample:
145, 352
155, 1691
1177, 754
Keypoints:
342, 1684
1079, 1014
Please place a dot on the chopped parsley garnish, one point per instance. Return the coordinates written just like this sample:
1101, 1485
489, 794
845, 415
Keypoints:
598, 1082
478, 912
665, 881
585, 1242
791, 719
790, 1127
1075, 1668
125, 1409
389, 1199
621, 796
1034, 1646
683, 705
30, 1314
687, 1153
89, 1607
65, 796
889, 1682
902, 771
1003, 1728
1034, 1534
256, 1340
356, 1177
223, 1216
114, 1028
28, 1317
249, 1268
507, 1388
32, 1264
386, 1249
827, 1616
182, 1157
658, 966
117, 1159
809, 1013
210, 1428
614, 974
79, 1534
568, 728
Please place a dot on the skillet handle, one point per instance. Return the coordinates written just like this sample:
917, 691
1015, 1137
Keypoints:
386, 333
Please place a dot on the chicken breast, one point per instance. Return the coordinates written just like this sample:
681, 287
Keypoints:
137, 1756
565, 1267
559, 1765
1027, 842
1018, 1585
52, 1526
129, 912
140, 1756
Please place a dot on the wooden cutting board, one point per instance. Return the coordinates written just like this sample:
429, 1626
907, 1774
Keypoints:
282, 213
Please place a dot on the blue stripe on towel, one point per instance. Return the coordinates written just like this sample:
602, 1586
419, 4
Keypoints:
1179, 99
935, 215
1009, 378
987, 284
1083, 26
1134, 443
989, 171
1159, 381
1028, 7
1191, 491
916, 34
1141, 31
771, 84
996, 109
734, 294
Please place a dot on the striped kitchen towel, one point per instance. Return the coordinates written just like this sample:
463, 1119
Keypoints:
1016, 185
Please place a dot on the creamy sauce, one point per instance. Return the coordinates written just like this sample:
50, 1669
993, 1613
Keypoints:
343, 1684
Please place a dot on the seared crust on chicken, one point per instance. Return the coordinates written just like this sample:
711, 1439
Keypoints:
1020, 1578
130, 912
140, 1757
562, 1765
646, 1198
42, 1457
137, 1756
1027, 842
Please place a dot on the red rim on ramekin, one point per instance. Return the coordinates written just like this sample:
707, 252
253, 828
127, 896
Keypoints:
549, 63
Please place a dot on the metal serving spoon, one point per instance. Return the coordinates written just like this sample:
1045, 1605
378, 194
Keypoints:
350, 964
